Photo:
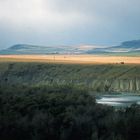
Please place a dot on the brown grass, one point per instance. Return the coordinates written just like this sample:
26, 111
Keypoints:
78, 59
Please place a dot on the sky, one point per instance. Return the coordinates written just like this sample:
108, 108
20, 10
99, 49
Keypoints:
68, 22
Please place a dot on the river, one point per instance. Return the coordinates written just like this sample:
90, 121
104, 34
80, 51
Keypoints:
119, 100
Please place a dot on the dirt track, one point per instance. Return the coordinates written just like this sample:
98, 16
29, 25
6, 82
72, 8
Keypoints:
85, 59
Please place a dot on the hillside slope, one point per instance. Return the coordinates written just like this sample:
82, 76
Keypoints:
125, 48
35, 49
120, 78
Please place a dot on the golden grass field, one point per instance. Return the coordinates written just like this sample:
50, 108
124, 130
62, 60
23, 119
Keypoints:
78, 59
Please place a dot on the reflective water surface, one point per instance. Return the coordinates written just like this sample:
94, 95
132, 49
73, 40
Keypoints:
121, 100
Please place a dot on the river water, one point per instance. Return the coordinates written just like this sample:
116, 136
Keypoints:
120, 100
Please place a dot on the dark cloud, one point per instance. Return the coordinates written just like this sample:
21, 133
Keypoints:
52, 22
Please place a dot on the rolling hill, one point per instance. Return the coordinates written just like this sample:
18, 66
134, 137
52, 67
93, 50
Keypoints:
34, 49
125, 48
128, 48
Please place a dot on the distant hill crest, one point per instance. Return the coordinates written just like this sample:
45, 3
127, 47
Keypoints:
125, 48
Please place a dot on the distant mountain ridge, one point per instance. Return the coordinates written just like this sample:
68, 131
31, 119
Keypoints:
126, 48
34, 49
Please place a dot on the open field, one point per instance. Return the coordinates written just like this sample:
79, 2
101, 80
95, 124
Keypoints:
85, 59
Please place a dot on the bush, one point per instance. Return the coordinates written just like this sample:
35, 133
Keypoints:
63, 112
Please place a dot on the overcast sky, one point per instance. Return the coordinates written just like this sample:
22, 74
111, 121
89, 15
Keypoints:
68, 22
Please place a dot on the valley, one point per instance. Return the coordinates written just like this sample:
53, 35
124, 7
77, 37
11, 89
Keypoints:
49, 98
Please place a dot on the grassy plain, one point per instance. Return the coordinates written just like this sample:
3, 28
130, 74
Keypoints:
77, 59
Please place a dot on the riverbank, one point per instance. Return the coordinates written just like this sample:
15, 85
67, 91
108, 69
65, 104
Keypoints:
98, 78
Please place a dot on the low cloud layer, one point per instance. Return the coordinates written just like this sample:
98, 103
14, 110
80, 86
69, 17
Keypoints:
61, 22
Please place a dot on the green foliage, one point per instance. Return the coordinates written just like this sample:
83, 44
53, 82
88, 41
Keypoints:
51, 101
95, 77
63, 112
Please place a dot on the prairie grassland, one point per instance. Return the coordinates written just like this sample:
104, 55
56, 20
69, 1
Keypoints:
78, 59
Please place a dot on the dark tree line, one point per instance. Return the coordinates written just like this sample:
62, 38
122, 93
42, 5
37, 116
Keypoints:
62, 113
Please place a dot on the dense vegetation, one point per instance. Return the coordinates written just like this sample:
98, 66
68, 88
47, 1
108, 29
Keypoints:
66, 112
40, 101
101, 78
